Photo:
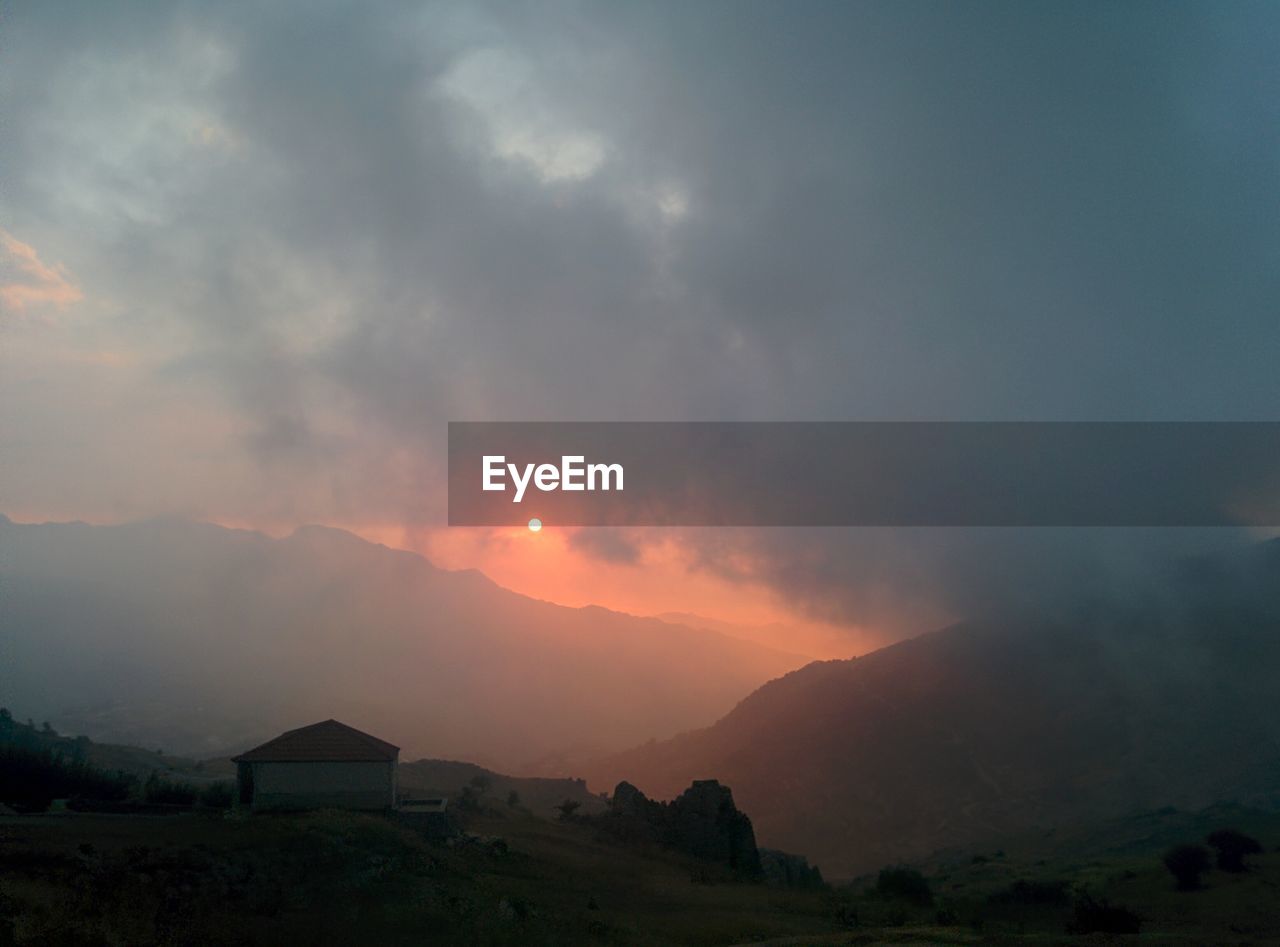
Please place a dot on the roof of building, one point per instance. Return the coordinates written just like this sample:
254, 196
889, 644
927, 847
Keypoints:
327, 741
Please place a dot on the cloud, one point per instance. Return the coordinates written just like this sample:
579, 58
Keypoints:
523, 124
30, 283
331, 230
607, 545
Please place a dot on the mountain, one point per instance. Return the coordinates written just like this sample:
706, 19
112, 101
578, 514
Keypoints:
202, 639
1117, 704
761, 634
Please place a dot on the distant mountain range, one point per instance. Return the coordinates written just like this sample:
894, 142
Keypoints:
992, 727
761, 634
201, 639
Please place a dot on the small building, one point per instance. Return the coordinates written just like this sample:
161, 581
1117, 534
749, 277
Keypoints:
430, 817
325, 765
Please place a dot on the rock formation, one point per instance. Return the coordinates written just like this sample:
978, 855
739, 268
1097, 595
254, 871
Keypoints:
784, 870
702, 822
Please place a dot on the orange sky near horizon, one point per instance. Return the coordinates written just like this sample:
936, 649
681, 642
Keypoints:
544, 565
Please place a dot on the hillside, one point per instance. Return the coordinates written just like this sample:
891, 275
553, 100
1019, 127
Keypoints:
539, 795
206, 640
110, 757
991, 727
333, 877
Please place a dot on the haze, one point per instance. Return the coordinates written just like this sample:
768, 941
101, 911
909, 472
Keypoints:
255, 258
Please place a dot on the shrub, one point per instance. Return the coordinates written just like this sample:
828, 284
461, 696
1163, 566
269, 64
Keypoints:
947, 915
1032, 892
31, 778
1232, 847
1099, 916
216, 795
157, 789
1187, 863
900, 883
469, 799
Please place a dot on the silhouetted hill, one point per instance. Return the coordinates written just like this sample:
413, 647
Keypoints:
540, 795
202, 640
761, 634
111, 757
1006, 724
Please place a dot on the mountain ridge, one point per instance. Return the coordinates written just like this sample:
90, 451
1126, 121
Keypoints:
1004, 724
218, 637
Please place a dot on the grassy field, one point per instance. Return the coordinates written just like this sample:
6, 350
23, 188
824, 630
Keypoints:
332, 877
1025, 890
345, 878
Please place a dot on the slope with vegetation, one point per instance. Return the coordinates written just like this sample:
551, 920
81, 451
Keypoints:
39, 766
515, 878
1006, 724
333, 877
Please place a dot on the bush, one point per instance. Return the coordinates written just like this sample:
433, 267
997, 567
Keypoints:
1232, 847
32, 778
947, 915
216, 796
1032, 892
469, 799
1090, 916
1187, 863
157, 789
899, 883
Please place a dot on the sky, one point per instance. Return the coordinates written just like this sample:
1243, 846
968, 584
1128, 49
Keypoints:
253, 258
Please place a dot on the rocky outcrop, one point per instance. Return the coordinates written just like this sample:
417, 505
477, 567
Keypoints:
784, 870
702, 822
708, 825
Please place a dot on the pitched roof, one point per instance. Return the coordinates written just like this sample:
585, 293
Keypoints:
327, 741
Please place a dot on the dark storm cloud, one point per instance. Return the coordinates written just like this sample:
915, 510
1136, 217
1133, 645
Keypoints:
351, 223
906, 581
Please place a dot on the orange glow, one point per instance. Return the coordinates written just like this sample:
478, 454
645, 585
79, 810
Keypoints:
544, 565
38, 283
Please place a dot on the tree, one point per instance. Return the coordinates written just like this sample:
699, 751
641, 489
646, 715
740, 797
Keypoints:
158, 789
1100, 916
568, 808
1187, 863
216, 795
1232, 847
469, 799
80, 748
901, 883
481, 783
513, 799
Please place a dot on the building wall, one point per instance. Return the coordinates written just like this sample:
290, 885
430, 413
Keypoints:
328, 785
